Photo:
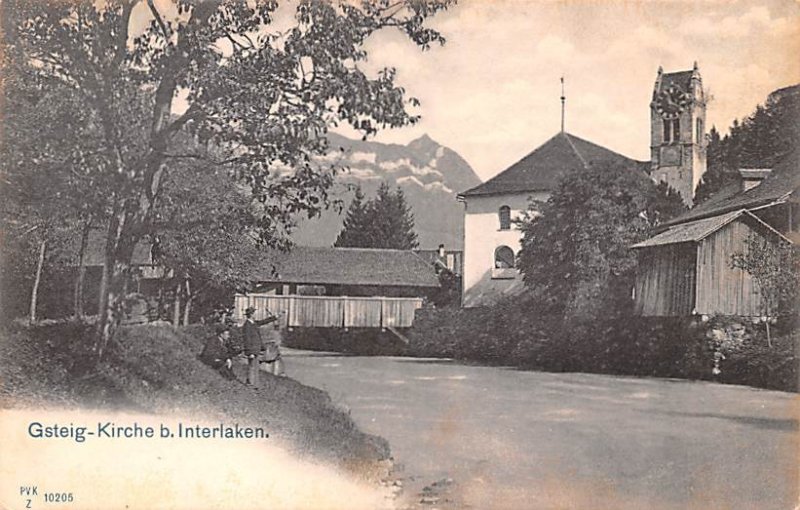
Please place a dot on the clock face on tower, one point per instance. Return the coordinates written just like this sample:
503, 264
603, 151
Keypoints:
671, 102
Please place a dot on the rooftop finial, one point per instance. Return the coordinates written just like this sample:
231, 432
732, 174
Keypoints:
563, 100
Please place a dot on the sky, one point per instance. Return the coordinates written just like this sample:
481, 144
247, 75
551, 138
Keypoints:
491, 93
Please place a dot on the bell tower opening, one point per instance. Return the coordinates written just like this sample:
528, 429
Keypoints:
678, 105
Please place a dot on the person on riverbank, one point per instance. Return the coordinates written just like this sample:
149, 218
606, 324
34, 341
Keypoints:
253, 345
217, 352
272, 352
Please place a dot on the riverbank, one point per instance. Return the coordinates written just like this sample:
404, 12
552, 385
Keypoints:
154, 369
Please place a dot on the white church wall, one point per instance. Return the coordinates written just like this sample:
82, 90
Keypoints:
482, 236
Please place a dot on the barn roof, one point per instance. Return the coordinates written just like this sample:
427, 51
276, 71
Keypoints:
543, 168
698, 230
347, 266
778, 186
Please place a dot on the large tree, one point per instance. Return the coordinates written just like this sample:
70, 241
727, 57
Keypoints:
576, 257
385, 221
356, 223
143, 72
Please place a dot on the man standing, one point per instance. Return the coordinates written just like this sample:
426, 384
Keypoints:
217, 352
253, 345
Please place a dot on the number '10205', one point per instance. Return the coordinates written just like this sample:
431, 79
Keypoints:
58, 497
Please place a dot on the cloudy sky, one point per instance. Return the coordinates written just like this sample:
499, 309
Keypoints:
492, 92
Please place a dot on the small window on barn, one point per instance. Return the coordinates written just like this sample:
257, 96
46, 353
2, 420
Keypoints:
505, 217
503, 258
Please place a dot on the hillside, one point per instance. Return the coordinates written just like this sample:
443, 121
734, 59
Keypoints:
429, 174
155, 369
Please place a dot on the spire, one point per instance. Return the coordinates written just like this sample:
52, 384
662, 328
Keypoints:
563, 100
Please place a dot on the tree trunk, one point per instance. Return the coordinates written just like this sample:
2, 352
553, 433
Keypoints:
118, 253
36, 281
769, 337
187, 308
176, 306
78, 298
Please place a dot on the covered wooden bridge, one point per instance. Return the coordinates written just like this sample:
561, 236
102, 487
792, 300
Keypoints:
322, 287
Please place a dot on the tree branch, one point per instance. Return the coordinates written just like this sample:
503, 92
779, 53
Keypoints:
159, 21
122, 37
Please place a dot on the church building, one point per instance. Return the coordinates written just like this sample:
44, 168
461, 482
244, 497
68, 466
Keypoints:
491, 239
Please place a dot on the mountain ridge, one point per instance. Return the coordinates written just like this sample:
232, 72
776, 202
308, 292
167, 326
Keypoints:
430, 175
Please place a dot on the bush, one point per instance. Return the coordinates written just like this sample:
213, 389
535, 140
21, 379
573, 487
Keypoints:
512, 333
516, 333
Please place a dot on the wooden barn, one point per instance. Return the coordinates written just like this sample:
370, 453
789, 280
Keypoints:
341, 287
686, 270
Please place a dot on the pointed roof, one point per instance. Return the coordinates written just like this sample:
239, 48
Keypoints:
543, 168
695, 231
681, 78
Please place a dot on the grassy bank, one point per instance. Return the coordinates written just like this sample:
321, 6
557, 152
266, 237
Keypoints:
155, 369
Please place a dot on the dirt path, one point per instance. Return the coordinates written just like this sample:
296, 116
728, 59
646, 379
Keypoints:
481, 437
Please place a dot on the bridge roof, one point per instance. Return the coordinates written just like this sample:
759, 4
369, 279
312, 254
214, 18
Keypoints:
348, 266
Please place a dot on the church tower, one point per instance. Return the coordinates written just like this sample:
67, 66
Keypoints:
677, 131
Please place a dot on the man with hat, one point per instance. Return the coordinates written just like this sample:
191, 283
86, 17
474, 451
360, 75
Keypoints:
217, 351
253, 345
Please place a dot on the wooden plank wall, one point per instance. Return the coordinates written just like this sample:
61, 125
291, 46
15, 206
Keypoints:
331, 311
722, 289
665, 281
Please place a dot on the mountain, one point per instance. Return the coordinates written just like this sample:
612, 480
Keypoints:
429, 174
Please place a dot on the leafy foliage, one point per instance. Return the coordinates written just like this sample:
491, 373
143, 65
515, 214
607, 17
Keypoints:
759, 141
214, 70
576, 255
385, 221
775, 267
202, 232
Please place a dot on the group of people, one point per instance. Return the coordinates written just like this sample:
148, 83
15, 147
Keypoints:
219, 351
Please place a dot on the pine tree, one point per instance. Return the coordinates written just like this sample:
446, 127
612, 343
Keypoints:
354, 230
385, 221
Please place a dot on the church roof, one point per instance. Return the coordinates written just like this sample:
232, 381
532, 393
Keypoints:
543, 168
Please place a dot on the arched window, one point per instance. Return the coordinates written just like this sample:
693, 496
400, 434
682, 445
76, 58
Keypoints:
667, 129
503, 257
505, 217
676, 130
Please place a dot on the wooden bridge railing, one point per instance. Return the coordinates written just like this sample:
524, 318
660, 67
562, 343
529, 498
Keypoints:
332, 311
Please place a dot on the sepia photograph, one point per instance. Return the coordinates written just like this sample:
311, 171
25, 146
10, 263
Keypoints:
400, 254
